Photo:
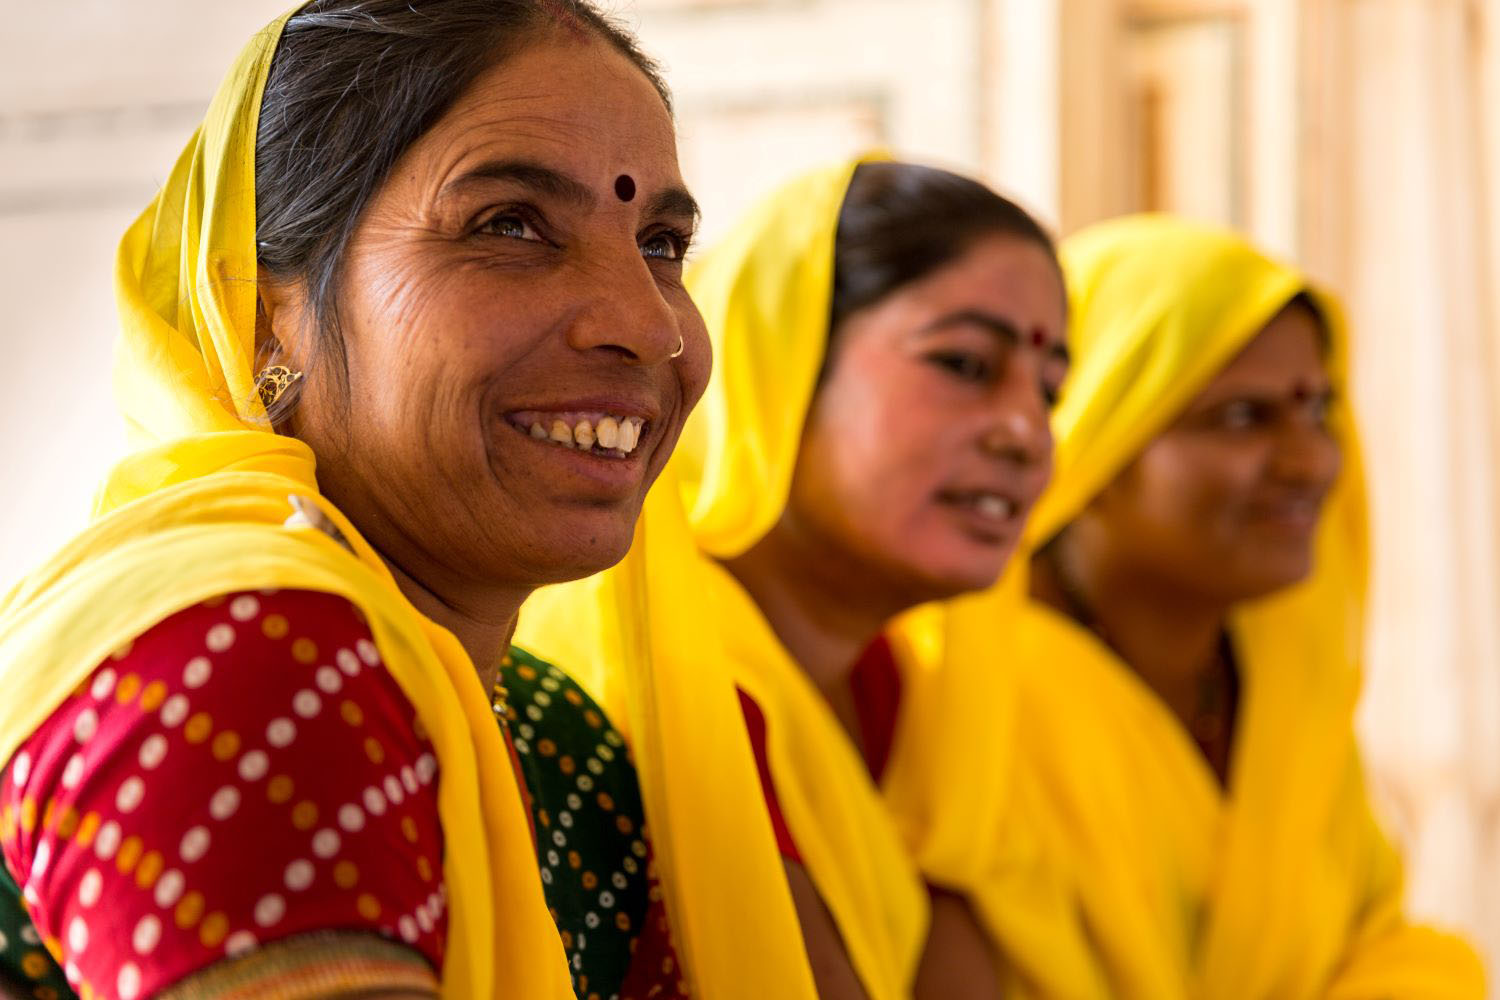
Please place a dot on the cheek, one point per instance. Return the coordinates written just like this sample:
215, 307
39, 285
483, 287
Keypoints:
879, 440
1189, 488
696, 364
866, 475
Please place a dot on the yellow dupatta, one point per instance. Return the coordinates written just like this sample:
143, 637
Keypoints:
665, 638
202, 510
1283, 887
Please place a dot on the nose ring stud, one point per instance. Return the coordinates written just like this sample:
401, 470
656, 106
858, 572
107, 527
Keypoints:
681, 346
995, 443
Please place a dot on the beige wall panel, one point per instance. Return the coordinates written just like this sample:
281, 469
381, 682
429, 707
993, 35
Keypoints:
1186, 116
1417, 292
732, 156
917, 65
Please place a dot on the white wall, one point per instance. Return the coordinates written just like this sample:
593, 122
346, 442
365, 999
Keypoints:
95, 103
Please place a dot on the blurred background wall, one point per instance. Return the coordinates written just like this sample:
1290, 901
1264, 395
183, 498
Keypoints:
1360, 138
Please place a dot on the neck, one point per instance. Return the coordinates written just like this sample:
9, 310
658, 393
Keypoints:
483, 625
823, 613
1169, 636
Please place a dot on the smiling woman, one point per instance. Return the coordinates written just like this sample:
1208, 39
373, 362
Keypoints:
264, 735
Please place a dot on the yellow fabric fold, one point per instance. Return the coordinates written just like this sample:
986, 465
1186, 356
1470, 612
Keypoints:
201, 509
1281, 887
665, 638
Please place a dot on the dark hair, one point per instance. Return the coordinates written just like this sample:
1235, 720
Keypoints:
352, 85
1304, 300
900, 222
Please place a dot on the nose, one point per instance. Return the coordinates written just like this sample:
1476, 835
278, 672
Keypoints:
1306, 454
627, 314
1019, 424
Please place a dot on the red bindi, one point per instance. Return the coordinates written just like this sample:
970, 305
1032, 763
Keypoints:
625, 187
1038, 337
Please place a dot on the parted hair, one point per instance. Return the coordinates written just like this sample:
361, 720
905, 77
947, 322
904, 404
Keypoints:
902, 221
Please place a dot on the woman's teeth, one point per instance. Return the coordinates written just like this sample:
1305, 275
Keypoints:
992, 505
609, 434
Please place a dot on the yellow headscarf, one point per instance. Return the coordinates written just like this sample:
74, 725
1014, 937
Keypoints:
666, 637
1283, 887
201, 510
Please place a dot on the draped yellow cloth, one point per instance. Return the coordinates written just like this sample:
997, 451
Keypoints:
201, 509
665, 638
1281, 886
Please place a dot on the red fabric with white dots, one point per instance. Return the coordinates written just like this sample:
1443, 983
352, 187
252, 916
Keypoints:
246, 771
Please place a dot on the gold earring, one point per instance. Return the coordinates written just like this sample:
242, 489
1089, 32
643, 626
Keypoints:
681, 346
273, 382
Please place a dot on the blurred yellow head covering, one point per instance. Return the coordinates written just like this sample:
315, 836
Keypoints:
1282, 886
202, 510
667, 636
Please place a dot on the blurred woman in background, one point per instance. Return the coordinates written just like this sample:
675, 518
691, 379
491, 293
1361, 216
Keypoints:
888, 340
1185, 637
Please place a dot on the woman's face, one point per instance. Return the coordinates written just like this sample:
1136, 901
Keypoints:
929, 441
1225, 502
521, 350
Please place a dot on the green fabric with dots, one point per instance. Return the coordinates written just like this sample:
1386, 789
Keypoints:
586, 806
26, 969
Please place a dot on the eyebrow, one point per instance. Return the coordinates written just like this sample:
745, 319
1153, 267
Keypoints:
1001, 328
530, 175
1261, 395
675, 201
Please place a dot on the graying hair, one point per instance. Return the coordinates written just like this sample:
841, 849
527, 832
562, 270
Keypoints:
352, 85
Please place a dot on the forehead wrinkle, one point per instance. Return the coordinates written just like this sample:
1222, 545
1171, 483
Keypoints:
544, 142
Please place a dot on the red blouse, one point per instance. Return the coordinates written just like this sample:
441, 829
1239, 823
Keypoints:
875, 683
245, 772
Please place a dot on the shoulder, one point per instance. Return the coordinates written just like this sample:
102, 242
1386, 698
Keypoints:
244, 772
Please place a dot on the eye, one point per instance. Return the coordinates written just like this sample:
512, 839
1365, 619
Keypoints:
968, 367
665, 244
1050, 394
511, 225
1240, 415
1320, 407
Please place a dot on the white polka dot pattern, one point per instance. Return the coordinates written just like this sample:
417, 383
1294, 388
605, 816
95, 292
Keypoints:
172, 740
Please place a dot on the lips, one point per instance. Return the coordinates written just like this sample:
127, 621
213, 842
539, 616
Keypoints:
1298, 513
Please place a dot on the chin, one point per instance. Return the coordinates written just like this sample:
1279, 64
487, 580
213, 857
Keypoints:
580, 547
944, 579
1268, 576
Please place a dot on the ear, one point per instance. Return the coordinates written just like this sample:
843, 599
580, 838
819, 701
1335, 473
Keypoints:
282, 317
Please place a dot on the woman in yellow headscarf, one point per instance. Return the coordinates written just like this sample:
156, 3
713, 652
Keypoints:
887, 338
1184, 635
404, 337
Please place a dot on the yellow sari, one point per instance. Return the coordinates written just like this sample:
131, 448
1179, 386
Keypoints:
202, 509
1281, 886
665, 638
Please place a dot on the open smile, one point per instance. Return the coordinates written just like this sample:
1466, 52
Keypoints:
606, 435
992, 516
